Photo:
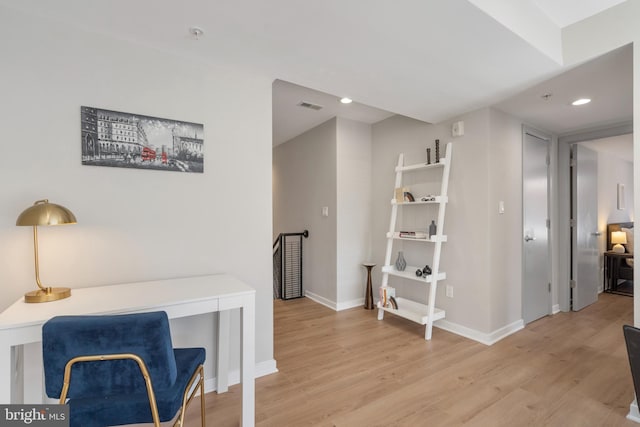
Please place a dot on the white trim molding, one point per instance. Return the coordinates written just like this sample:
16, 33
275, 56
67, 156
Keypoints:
321, 300
634, 414
481, 337
350, 304
332, 304
555, 309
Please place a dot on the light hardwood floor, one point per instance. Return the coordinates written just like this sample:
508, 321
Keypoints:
349, 369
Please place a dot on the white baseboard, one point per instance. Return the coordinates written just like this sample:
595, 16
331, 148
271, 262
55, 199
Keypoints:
555, 309
634, 414
262, 369
321, 300
350, 304
332, 304
481, 337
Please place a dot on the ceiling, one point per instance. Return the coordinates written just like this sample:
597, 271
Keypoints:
425, 59
567, 12
606, 80
291, 120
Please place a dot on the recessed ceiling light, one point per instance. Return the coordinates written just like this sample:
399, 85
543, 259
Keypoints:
581, 101
346, 100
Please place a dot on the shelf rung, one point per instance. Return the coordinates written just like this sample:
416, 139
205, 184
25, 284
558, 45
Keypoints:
419, 166
432, 239
410, 273
438, 199
414, 311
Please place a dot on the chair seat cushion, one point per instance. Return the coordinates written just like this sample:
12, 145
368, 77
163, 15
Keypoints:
129, 409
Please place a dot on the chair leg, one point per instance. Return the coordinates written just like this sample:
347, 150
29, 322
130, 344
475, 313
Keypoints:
202, 412
186, 399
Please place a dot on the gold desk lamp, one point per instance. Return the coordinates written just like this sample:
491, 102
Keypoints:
44, 213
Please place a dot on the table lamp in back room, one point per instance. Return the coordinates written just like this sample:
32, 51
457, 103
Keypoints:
44, 213
618, 238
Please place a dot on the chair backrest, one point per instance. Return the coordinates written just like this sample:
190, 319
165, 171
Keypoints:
632, 339
146, 335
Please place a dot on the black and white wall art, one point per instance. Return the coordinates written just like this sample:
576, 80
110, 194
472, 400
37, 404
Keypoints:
126, 140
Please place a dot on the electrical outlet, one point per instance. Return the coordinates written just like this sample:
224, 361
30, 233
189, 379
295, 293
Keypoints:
450, 291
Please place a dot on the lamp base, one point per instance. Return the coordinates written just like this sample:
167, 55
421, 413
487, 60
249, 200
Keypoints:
47, 295
618, 248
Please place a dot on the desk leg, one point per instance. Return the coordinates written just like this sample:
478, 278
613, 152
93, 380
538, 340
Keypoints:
222, 371
6, 371
248, 364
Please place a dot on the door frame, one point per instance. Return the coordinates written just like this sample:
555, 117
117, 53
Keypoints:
551, 145
563, 199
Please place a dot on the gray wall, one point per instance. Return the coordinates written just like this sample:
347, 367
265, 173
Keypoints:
354, 210
304, 180
329, 165
482, 257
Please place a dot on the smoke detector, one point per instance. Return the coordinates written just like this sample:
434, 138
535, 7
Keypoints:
196, 32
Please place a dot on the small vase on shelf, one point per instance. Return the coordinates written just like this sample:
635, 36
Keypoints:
432, 229
401, 264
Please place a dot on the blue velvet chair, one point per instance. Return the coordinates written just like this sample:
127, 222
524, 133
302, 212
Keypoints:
120, 369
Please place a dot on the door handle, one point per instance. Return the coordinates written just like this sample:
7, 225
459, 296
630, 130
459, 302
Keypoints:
597, 233
528, 238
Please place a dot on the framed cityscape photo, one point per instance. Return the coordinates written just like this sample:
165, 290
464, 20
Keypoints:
127, 140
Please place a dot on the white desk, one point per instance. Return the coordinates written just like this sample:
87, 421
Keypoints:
21, 323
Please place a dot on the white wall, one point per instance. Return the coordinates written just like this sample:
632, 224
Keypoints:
353, 210
505, 236
304, 180
133, 225
611, 172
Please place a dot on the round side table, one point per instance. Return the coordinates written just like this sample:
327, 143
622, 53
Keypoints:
368, 296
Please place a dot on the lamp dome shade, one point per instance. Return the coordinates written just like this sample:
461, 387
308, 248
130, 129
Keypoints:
44, 213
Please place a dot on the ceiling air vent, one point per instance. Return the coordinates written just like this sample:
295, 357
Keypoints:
309, 105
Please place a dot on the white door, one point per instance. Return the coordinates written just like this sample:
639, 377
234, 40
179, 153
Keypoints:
584, 233
536, 283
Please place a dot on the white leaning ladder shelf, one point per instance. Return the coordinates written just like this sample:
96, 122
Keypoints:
408, 309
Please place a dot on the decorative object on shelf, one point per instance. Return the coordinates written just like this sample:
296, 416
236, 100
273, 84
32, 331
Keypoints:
426, 270
368, 296
393, 303
432, 228
437, 151
428, 156
44, 213
127, 140
419, 273
386, 293
401, 194
408, 197
618, 238
401, 264
428, 198
412, 235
